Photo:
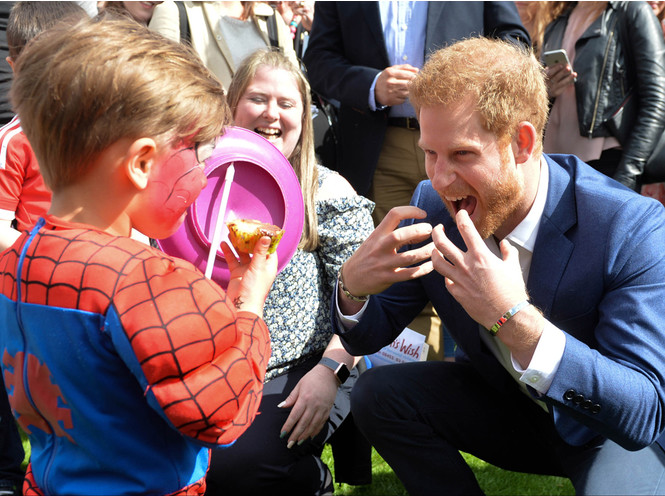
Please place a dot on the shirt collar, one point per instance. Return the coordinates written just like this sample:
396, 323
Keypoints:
526, 231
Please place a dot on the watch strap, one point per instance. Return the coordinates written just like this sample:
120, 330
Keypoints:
340, 370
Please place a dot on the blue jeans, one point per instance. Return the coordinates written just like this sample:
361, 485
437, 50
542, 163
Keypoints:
420, 416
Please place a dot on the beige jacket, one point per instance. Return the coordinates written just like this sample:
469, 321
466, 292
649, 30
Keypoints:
206, 35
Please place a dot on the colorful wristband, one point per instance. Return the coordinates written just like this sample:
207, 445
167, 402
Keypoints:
506, 316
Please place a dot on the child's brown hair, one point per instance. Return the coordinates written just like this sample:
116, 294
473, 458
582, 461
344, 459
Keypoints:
81, 88
28, 19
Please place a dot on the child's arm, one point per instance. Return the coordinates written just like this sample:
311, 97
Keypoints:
200, 361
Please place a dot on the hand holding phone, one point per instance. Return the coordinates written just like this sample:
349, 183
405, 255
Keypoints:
554, 57
560, 78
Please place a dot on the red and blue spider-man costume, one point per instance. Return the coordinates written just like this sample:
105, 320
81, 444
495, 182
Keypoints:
121, 363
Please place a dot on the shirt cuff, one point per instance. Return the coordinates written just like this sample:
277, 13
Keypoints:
372, 97
346, 322
544, 364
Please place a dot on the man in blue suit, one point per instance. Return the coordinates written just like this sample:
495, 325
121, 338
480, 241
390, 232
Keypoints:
549, 276
364, 55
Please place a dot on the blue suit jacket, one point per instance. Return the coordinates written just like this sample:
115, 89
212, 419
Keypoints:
347, 50
597, 273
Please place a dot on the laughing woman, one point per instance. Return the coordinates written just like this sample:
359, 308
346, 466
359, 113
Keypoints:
306, 394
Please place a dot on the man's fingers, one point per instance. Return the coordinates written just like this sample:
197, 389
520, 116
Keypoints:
441, 260
401, 71
509, 253
397, 214
408, 273
406, 67
469, 232
445, 247
414, 256
410, 235
402, 77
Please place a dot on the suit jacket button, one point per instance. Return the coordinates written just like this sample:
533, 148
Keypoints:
578, 399
595, 408
587, 404
569, 395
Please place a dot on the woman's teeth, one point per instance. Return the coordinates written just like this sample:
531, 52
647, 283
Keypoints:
268, 132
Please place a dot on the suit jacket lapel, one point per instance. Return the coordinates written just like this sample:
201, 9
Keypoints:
372, 15
434, 35
553, 249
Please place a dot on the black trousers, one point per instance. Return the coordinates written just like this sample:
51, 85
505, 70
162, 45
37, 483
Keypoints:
259, 461
11, 447
419, 416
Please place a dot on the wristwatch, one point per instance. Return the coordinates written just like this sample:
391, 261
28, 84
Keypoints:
340, 369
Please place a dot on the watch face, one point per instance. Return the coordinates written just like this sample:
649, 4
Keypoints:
340, 370
342, 373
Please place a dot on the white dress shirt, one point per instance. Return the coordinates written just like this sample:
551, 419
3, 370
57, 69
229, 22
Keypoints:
404, 27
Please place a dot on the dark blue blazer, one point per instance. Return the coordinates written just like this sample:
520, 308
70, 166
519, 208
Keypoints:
346, 51
597, 273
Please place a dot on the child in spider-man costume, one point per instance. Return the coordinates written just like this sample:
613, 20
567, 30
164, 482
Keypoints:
121, 363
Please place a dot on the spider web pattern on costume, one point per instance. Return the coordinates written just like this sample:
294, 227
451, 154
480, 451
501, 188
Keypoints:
204, 366
78, 269
223, 362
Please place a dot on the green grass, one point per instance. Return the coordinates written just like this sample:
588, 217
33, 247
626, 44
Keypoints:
26, 447
492, 480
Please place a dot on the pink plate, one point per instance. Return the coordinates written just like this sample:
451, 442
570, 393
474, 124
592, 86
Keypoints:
264, 187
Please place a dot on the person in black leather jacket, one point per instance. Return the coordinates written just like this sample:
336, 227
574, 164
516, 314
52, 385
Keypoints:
618, 56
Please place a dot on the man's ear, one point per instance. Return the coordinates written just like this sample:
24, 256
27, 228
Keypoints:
140, 158
10, 61
524, 143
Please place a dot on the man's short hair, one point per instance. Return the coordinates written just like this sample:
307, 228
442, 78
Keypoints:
79, 89
505, 81
28, 19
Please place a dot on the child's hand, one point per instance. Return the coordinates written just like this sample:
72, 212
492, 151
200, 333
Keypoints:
251, 277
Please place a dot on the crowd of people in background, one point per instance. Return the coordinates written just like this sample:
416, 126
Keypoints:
388, 142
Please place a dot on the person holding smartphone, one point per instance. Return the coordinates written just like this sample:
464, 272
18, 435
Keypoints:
616, 49
561, 70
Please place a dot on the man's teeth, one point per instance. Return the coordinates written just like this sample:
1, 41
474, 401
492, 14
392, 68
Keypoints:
455, 198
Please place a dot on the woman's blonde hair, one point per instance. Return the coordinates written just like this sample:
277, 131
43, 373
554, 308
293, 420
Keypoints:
79, 89
303, 158
505, 81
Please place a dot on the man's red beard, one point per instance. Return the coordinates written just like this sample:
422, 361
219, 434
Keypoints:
499, 203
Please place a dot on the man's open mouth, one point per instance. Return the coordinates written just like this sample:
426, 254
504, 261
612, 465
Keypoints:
467, 203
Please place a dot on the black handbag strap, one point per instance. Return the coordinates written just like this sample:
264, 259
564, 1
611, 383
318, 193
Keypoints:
272, 29
185, 35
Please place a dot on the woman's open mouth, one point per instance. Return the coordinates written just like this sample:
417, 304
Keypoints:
268, 133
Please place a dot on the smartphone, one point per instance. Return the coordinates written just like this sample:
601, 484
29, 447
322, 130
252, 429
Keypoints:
554, 57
